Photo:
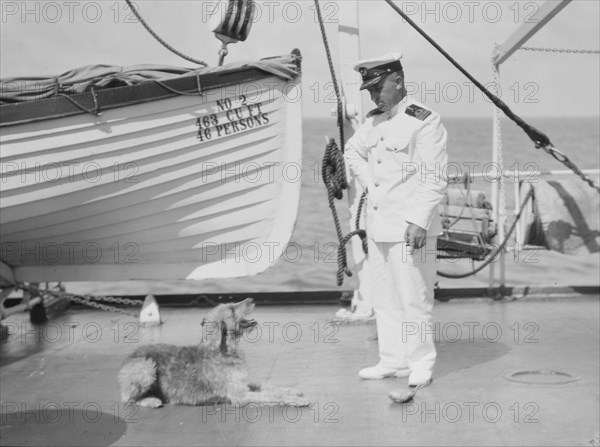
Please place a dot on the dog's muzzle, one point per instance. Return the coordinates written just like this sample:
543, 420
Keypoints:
246, 324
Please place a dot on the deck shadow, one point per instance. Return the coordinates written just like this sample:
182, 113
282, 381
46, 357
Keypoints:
54, 424
464, 354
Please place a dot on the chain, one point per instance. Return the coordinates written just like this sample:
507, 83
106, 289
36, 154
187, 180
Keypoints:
498, 130
539, 138
550, 149
562, 158
544, 144
112, 299
87, 300
90, 303
560, 50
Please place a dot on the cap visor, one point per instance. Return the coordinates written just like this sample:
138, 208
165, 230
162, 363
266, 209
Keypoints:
370, 83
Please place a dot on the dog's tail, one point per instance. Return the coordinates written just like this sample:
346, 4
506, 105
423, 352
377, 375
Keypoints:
136, 377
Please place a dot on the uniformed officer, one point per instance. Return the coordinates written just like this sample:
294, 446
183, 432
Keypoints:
398, 155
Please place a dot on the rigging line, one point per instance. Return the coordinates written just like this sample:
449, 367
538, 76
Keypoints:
161, 41
537, 136
333, 169
340, 108
540, 139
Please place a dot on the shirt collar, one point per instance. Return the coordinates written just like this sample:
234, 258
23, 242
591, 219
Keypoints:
398, 108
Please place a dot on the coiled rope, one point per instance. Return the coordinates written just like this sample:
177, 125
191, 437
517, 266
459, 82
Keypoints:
334, 177
160, 40
333, 170
540, 139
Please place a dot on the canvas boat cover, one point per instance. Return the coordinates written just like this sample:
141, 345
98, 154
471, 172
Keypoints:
79, 80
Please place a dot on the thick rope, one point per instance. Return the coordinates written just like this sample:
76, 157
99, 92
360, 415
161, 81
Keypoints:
361, 233
334, 177
540, 139
498, 250
333, 170
340, 106
334, 173
161, 41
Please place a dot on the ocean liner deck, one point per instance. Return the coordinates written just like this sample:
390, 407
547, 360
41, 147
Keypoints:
60, 388
59, 380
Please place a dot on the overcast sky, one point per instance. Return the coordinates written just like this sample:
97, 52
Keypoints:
51, 37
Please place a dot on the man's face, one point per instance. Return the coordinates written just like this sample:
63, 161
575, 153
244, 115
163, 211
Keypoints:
386, 93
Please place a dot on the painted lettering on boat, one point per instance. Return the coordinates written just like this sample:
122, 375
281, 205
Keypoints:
231, 117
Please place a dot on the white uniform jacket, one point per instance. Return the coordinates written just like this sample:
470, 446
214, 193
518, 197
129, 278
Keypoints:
400, 157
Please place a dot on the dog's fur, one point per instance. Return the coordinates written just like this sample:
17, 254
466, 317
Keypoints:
209, 373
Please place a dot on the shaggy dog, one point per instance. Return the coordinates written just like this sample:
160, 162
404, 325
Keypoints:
209, 373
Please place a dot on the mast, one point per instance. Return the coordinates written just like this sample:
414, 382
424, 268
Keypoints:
349, 50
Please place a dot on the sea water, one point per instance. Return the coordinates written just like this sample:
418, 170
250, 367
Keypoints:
310, 261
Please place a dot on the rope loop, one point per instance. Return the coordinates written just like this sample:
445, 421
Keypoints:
334, 177
334, 171
558, 155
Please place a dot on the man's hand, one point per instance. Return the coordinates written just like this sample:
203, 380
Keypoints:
415, 236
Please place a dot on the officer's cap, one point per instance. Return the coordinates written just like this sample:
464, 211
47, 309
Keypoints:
374, 70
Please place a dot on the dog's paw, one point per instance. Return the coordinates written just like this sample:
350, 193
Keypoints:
150, 402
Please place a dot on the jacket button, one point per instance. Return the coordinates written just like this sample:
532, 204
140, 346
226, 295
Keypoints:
382, 138
377, 185
379, 161
375, 207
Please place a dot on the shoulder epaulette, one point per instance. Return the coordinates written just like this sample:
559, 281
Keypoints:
374, 112
418, 112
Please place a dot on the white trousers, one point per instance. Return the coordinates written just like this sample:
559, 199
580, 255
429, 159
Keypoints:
362, 300
402, 285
